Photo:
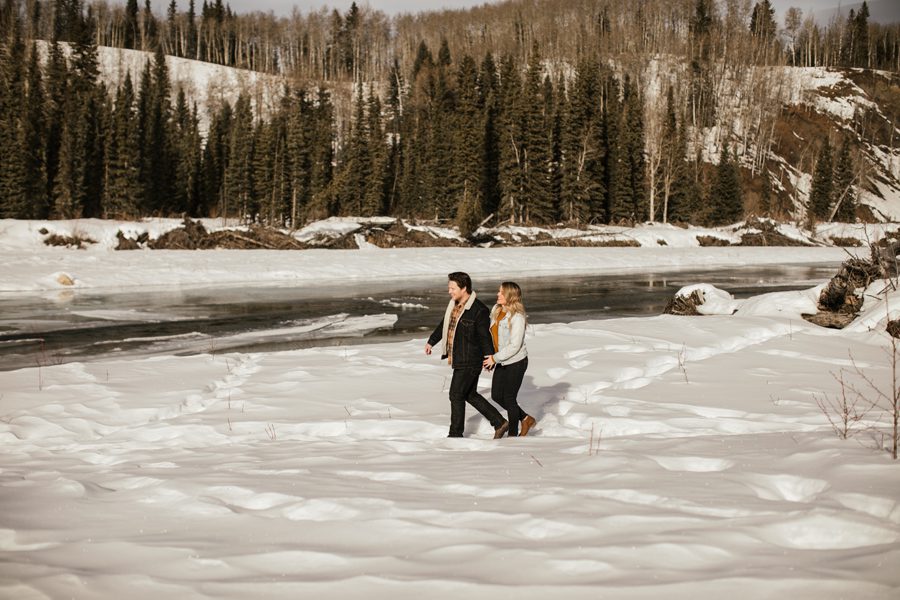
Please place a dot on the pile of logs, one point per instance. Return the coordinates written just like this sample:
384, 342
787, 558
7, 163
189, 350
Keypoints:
842, 298
192, 235
684, 305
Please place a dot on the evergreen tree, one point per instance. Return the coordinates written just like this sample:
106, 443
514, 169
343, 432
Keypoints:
763, 30
618, 199
191, 51
632, 147
158, 163
423, 59
148, 27
393, 126
430, 182
415, 180
469, 147
762, 21
66, 200
171, 39
821, 194
348, 39
78, 188
443, 180
238, 184
511, 133
13, 176
35, 134
67, 16
844, 193
131, 24
726, 205
94, 102
300, 121
186, 156
677, 198
123, 193
375, 195
861, 37
322, 142
538, 203
526, 155
215, 162
56, 93
554, 106
266, 208
488, 86
582, 147
356, 168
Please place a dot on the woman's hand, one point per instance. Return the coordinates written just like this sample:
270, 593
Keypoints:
488, 363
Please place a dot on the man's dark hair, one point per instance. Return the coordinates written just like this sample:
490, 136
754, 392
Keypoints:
462, 280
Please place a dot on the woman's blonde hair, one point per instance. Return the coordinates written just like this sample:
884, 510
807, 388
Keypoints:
513, 294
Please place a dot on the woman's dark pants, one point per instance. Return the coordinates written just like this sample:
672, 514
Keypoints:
505, 390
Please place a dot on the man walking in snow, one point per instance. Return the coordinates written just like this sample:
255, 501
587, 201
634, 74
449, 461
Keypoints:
466, 336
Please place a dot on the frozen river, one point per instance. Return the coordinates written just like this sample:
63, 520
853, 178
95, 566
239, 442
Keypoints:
79, 326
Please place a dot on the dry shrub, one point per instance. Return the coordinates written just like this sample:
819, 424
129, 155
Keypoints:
76, 240
845, 242
711, 240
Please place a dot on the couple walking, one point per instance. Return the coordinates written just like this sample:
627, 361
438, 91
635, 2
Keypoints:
475, 339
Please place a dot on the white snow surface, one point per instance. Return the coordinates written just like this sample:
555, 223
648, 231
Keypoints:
677, 457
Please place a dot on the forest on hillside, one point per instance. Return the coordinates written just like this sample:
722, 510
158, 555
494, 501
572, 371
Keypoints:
527, 111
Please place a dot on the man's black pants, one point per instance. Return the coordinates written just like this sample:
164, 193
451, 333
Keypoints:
464, 388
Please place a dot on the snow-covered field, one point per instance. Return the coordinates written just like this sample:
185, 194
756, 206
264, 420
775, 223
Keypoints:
678, 457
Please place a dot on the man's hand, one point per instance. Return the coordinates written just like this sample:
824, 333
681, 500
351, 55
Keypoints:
428, 349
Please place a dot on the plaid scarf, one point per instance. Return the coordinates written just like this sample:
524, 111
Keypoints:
451, 329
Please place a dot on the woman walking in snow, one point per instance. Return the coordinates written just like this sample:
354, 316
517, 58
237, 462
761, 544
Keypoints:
510, 358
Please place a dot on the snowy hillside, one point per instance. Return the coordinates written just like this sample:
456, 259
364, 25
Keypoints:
837, 96
776, 117
207, 84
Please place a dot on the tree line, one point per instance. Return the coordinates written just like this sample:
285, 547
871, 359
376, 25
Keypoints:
361, 43
438, 136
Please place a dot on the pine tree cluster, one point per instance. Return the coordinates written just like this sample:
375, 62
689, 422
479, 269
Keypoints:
465, 139
832, 196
